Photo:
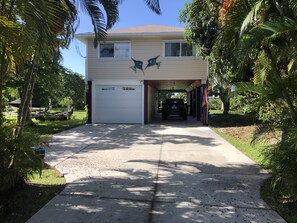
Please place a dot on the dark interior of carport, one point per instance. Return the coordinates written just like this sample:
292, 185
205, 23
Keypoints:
195, 90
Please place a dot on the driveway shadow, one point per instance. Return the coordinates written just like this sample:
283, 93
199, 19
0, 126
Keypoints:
173, 195
154, 173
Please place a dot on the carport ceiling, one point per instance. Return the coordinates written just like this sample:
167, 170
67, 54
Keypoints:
174, 84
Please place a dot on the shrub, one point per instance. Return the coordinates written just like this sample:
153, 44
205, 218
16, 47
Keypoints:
17, 158
236, 103
282, 159
214, 104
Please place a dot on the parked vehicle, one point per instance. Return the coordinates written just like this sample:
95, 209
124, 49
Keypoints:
174, 107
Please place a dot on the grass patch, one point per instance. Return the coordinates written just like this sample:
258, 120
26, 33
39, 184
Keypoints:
252, 151
48, 177
52, 127
10, 116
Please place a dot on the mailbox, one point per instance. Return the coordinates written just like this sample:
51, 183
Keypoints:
40, 151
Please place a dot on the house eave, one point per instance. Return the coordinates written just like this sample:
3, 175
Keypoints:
84, 37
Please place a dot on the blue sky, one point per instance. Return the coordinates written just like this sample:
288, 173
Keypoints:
132, 13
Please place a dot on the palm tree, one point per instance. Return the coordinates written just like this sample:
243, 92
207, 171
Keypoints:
265, 30
268, 27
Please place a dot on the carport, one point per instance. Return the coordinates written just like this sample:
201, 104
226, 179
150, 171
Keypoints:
196, 91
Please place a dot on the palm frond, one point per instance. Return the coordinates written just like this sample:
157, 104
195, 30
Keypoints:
292, 5
261, 131
251, 16
154, 5
112, 12
242, 87
279, 27
92, 8
261, 70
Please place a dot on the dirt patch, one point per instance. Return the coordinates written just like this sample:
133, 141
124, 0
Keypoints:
244, 133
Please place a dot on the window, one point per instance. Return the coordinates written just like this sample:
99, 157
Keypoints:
114, 50
172, 49
186, 50
178, 49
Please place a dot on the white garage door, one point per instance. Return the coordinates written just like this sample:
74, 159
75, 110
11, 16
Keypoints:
118, 104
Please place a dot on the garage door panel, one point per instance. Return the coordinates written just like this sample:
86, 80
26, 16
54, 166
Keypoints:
118, 104
123, 116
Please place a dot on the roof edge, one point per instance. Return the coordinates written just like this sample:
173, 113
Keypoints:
83, 37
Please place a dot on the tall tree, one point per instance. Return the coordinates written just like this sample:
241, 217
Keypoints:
204, 30
74, 88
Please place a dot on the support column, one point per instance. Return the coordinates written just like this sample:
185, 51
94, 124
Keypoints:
89, 102
198, 103
204, 104
145, 84
194, 103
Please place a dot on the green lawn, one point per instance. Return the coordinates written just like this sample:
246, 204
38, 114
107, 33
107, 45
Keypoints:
48, 177
52, 127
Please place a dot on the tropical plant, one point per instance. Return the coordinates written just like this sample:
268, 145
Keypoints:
265, 30
214, 104
17, 157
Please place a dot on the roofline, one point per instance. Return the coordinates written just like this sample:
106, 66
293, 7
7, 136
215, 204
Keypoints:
83, 37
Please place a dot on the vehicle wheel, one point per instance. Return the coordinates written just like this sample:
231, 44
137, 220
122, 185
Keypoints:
185, 117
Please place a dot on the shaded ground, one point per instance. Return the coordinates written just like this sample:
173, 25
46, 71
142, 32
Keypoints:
231, 120
285, 206
19, 205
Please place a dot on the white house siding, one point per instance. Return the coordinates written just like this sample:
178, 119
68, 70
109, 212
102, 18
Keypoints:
180, 68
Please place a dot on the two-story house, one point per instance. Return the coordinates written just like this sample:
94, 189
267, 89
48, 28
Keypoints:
126, 72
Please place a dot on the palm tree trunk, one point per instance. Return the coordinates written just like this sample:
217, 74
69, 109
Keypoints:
224, 95
26, 95
277, 74
2, 74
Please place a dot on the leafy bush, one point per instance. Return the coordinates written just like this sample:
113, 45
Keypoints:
282, 159
17, 158
214, 104
66, 102
46, 117
237, 102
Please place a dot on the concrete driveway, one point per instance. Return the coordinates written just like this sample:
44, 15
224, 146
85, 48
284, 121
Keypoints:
153, 173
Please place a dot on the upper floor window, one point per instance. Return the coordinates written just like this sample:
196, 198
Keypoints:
178, 49
114, 50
